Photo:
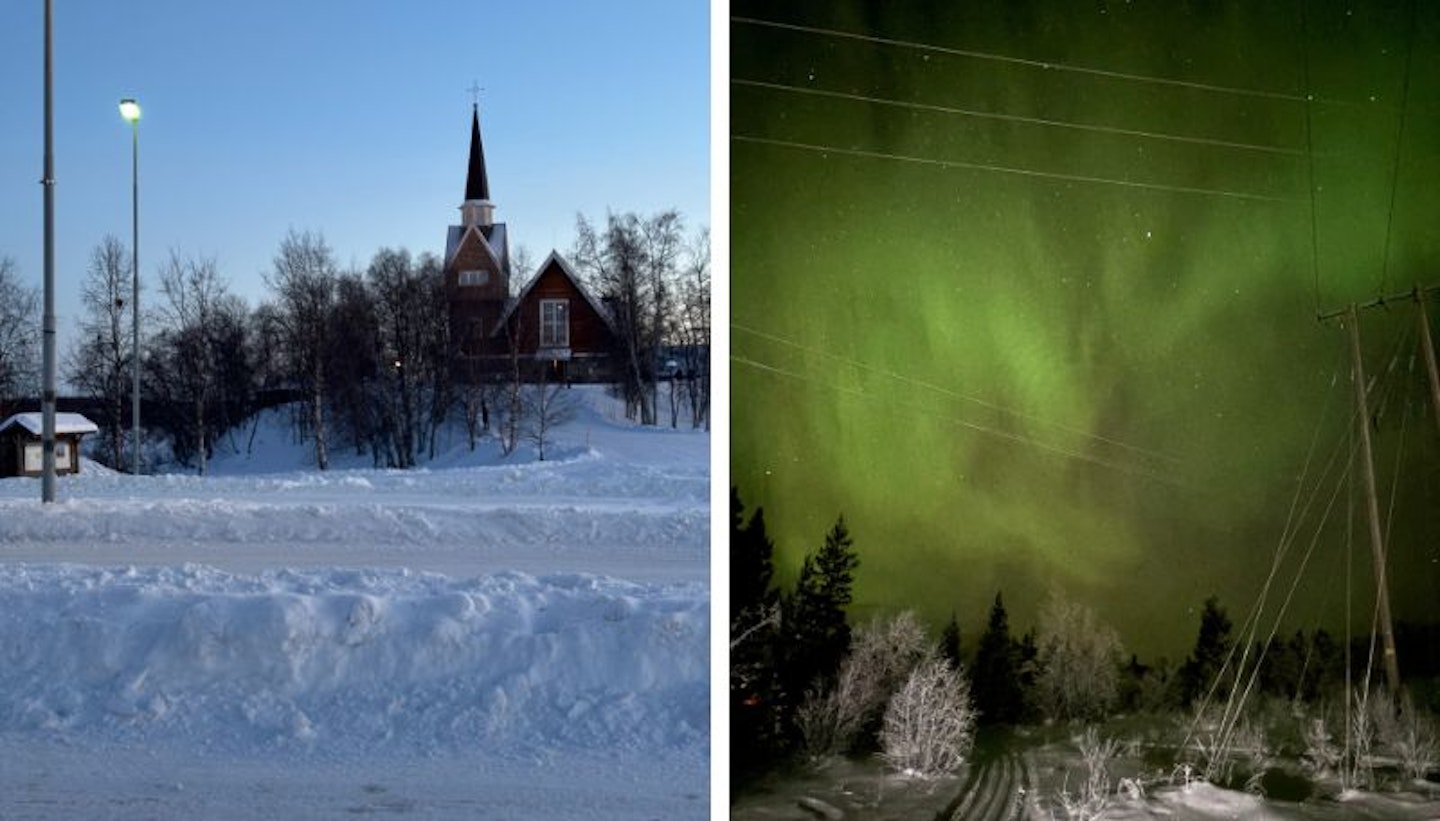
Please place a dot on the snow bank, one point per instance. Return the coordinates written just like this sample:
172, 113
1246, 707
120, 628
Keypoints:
352, 660
268, 444
630, 501
261, 644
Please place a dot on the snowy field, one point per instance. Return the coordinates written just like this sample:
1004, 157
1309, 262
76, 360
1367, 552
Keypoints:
480, 638
1019, 780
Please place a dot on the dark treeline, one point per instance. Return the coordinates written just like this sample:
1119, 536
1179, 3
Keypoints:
795, 661
369, 353
19, 338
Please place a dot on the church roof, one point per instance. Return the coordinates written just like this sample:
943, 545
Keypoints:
495, 236
477, 185
568, 273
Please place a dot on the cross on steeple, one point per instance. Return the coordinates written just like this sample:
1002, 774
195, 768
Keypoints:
475, 90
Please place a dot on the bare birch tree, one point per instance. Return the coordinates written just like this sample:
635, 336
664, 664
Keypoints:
99, 362
663, 243
548, 408
194, 301
512, 394
19, 324
616, 266
692, 329
303, 279
402, 306
354, 369
882, 654
1078, 665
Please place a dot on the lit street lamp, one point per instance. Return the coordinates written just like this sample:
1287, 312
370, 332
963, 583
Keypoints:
130, 110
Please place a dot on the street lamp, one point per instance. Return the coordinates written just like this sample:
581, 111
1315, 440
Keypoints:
130, 110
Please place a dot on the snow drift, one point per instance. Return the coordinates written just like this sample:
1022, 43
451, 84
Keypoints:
489, 636
363, 659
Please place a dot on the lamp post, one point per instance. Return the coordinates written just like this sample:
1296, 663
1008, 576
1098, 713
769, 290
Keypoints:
47, 327
130, 110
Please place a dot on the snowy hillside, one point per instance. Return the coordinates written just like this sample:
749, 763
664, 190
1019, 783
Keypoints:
506, 638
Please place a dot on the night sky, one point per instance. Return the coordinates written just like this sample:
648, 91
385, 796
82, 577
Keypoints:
1028, 292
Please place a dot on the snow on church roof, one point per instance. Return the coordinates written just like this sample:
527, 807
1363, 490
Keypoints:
64, 423
493, 234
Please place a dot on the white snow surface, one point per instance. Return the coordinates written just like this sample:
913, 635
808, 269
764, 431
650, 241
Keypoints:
484, 637
64, 423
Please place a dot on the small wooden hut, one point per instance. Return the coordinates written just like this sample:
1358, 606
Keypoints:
20, 446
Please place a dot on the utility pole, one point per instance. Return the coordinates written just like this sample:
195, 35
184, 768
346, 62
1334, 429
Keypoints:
1429, 347
1372, 504
1362, 410
47, 328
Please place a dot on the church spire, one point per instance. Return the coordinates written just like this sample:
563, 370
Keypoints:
477, 208
477, 185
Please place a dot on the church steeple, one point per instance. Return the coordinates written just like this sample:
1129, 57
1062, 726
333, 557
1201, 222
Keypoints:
477, 208
477, 185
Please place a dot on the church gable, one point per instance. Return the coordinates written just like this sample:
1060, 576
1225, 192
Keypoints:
556, 317
475, 269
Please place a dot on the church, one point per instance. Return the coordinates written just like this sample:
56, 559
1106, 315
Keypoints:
553, 326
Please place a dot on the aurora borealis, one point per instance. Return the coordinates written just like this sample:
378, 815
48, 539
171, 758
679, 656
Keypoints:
1028, 292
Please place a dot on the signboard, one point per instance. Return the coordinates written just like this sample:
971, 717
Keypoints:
35, 455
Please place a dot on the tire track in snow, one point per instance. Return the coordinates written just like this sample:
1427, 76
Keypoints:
992, 792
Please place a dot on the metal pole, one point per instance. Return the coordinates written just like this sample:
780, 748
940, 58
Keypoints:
47, 395
1429, 345
1372, 506
135, 294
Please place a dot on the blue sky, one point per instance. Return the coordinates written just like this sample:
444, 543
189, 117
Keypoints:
351, 119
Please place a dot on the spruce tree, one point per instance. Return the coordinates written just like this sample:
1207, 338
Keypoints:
815, 627
1027, 665
755, 704
1212, 645
950, 642
751, 560
995, 676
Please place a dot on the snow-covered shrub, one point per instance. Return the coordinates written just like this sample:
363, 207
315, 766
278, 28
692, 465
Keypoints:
1093, 797
1158, 692
882, 654
1226, 745
1320, 748
929, 724
1131, 789
1078, 675
1185, 776
1416, 745
823, 726
1406, 732
1358, 771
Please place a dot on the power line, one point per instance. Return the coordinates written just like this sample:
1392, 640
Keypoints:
1310, 154
1017, 118
1041, 64
930, 386
1399, 143
1258, 607
965, 423
1026, 172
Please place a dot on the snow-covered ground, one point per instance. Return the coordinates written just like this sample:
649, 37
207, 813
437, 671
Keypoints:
480, 638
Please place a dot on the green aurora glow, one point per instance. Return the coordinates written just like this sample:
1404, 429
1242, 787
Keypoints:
1006, 380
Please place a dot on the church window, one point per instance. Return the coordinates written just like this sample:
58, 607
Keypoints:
554, 323
473, 278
